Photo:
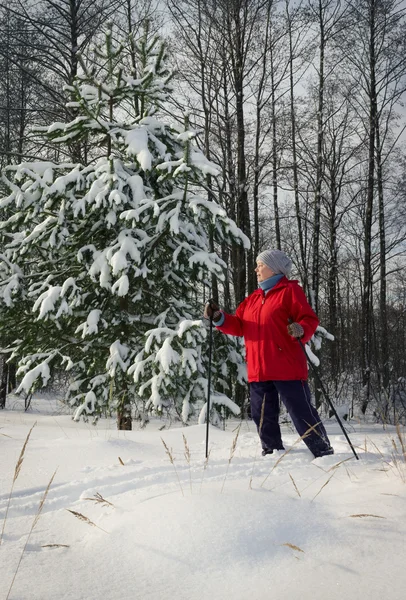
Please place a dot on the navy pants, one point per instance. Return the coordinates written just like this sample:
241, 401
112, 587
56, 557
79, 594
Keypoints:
295, 394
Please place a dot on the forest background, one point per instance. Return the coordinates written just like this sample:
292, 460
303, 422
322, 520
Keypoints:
300, 104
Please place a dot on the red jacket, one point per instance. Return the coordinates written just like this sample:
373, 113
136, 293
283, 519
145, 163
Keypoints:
271, 353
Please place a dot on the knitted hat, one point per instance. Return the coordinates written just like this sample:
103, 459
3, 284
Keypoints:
276, 260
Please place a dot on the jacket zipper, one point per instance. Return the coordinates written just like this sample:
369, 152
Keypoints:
259, 329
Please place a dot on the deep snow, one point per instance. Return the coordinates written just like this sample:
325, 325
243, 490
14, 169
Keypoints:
223, 537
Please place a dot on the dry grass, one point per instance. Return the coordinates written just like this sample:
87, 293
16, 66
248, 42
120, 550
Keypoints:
401, 438
293, 547
350, 474
377, 449
120, 460
232, 452
36, 519
206, 462
299, 439
61, 428
172, 460
5, 435
98, 499
396, 461
324, 485
339, 464
294, 485
398, 455
188, 458
85, 519
362, 515
16, 474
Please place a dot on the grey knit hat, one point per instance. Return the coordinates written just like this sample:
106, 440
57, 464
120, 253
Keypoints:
276, 260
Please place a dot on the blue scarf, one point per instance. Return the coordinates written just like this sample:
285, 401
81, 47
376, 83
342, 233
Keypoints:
269, 283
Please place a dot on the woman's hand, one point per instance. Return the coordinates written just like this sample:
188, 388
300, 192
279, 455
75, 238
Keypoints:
212, 310
295, 330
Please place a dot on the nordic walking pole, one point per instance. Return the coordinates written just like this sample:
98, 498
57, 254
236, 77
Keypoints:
325, 394
208, 387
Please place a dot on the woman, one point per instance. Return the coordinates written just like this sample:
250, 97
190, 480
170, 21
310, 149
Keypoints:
272, 320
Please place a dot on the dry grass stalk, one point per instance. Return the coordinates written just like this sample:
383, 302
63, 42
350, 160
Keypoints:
187, 457
41, 504
21, 457
5, 435
36, 519
261, 421
60, 427
299, 439
398, 456
294, 485
377, 449
340, 463
85, 519
394, 456
334, 466
55, 546
398, 467
98, 498
293, 547
253, 466
324, 485
172, 460
350, 473
362, 515
120, 461
401, 440
206, 462
16, 474
232, 452
313, 480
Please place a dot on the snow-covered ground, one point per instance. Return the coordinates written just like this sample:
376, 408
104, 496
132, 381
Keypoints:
236, 529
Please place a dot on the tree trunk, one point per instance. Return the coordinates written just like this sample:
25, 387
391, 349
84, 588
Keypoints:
295, 169
274, 157
366, 308
383, 320
242, 196
3, 382
319, 167
124, 418
332, 285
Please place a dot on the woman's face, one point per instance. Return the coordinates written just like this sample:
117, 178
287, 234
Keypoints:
263, 271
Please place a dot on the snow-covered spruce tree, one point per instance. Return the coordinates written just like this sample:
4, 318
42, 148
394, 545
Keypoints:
103, 263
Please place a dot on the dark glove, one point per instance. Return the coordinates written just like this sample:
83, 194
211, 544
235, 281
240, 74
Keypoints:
212, 310
295, 330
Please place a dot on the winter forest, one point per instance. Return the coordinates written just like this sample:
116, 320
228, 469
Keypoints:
149, 150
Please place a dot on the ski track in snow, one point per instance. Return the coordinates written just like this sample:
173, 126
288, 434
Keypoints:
133, 478
226, 533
